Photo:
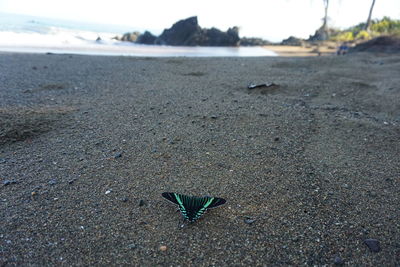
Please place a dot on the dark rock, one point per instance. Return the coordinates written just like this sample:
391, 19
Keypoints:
294, 41
245, 41
187, 32
146, 38
373, 245
142, 203
320, 35
180, 32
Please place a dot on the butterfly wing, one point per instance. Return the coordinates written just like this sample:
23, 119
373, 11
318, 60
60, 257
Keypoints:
182, 201
217, 201
192, 208
171, 197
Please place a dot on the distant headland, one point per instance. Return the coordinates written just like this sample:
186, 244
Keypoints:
187, 32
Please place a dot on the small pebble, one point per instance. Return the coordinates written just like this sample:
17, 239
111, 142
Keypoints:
337, 260
141, 203
108, 192
52, 182
163, 248
373, 245
117, 155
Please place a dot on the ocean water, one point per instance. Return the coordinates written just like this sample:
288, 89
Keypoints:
22, 33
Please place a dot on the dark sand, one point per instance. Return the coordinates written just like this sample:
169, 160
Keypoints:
314, 162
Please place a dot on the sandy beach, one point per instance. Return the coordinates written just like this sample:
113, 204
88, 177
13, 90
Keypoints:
310, 167
302, 51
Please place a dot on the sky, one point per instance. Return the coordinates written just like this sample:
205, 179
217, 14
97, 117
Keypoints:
273, 20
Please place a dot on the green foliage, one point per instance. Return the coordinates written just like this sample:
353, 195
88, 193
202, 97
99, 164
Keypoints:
343, 37
386, 25
363, 35
378, 27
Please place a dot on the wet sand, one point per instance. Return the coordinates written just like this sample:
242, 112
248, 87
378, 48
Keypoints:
309, 168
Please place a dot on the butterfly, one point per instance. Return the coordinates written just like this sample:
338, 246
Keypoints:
193, 208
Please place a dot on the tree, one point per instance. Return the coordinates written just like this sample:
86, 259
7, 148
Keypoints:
368, 24
325, 25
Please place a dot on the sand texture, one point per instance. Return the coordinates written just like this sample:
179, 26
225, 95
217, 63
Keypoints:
310, 168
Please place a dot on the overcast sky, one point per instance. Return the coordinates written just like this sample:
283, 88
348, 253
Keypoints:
270, 19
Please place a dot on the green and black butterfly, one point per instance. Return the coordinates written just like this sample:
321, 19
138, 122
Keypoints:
192, 208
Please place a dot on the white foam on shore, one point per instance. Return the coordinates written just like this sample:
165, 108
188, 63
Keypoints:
36, 35
139, 50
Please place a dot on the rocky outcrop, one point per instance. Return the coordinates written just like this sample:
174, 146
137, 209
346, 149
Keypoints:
321, 35
253, 42
294, 41
146, 38
180, 33
187, 32
382, 44
129, 36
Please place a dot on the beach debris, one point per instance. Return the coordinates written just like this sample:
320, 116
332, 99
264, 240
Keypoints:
373, 245
253, 85
108, 192
8, 182
52, 182
131, 246
163, 248
117, 155
142, 203
249, 220
124, 199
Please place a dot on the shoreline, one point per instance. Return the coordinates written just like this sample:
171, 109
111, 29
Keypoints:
139, 50
176, 51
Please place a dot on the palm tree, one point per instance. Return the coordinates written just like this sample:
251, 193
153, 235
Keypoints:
325, 25
368, 24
